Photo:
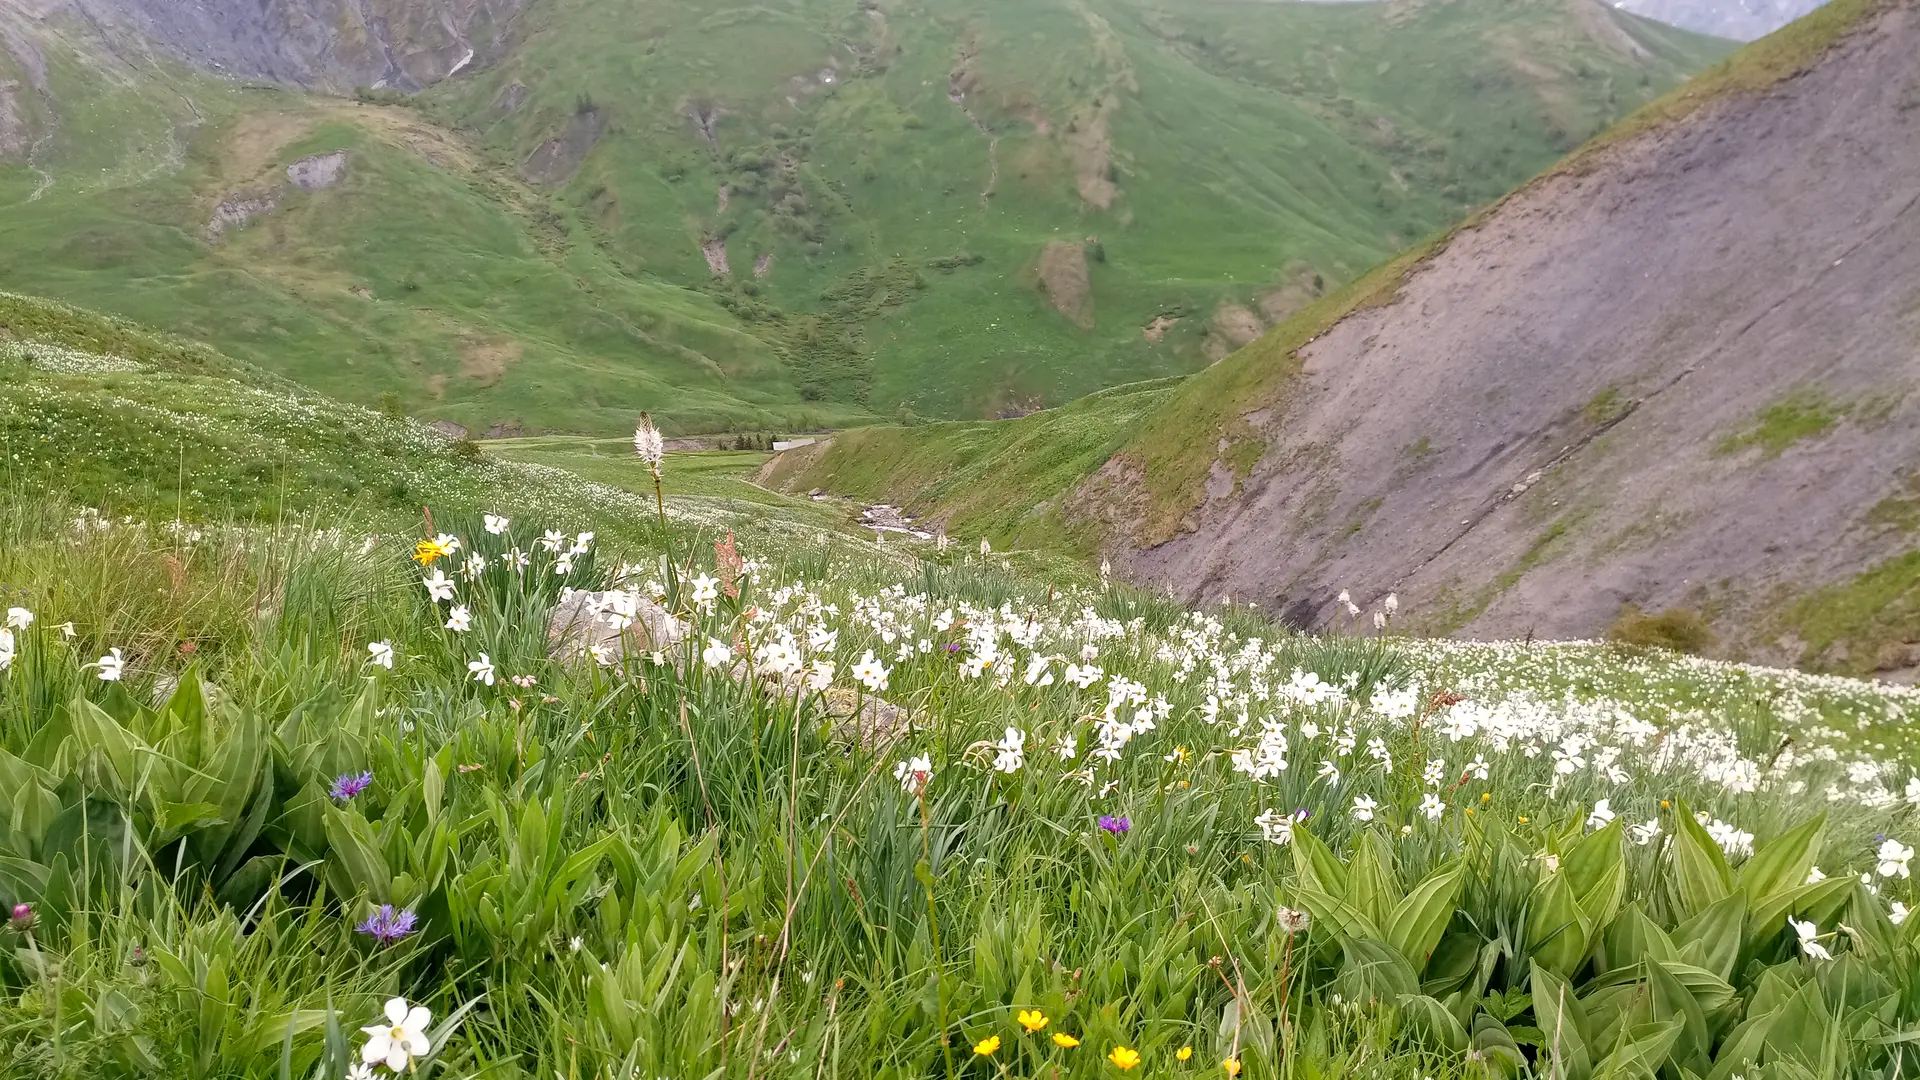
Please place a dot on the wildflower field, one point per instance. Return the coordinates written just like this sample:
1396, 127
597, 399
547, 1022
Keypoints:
559, 780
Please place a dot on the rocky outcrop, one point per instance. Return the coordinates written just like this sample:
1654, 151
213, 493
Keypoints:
332, 45
616, 627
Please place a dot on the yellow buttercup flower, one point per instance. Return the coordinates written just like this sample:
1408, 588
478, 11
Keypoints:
987, 1045
1124, 1058
1183, 1053
1064, 1040
426, 551
1232, 1065
1031, 1019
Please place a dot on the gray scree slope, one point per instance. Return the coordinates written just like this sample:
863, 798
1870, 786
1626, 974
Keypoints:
1533, 434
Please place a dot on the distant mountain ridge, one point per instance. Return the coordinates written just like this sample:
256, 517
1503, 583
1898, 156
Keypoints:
1741, 20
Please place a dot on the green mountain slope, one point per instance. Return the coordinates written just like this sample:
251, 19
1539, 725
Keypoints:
958, 212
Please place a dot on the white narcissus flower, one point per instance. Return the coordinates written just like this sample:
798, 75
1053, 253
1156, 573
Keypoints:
705, 590
1815, 875
1897, 914
482, 669
869, 673
1809, 936
820, 675
359, 1070
1010, 752
381, 653
1893, 858
1431, 806
460, 620
401, 1040
1602, 815
6, 649
439, 586
112, 665
914, 773
716, 654
1646, 832
1363, 807
19, 618
497, 524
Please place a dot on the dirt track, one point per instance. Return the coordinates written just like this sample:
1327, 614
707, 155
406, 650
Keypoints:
1536, 432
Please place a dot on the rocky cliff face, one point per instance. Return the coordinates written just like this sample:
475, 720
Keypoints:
1683, 375
1741, 20
331, 45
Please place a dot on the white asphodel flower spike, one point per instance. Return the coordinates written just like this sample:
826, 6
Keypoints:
648, 443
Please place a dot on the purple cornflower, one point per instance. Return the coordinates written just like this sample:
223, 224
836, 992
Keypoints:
349, 785
387, 926
953, 646
1115, 825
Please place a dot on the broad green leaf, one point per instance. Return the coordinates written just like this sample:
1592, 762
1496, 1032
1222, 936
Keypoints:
1700, 870
1671, 999
1801, 1028
1820, 900
1783, 862
1371, 887
1563, 1026
1643, 1049
1316, 866
1558, 933
1496, 1046
1346, 921
1596, 870
1713, 937
1433, 1026
1421, 917
1632, 937
1376, 971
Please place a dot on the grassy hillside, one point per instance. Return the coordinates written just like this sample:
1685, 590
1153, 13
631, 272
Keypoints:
962, 212
272, 800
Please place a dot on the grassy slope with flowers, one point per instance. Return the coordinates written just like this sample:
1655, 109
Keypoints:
1120, 839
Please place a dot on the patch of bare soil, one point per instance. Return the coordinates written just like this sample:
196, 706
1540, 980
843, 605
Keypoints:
557, 159
1157, 329
715, 250
763, 264
486, 361
1299, 286
1533, 433
236, 211
1234, 325
1063, 280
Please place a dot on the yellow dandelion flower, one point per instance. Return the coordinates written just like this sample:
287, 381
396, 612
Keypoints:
1031, 1019
1232, 1066
1183, 1053
987, 1046
1486, 796
1124, 1058
426, 551
1064, 1040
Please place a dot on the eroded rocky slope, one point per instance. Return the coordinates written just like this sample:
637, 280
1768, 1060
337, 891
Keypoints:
1679, 375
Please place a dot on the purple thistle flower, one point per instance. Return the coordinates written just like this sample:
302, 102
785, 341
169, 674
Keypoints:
387, 926
953, 646
22, 916
348, 785
1115, 825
